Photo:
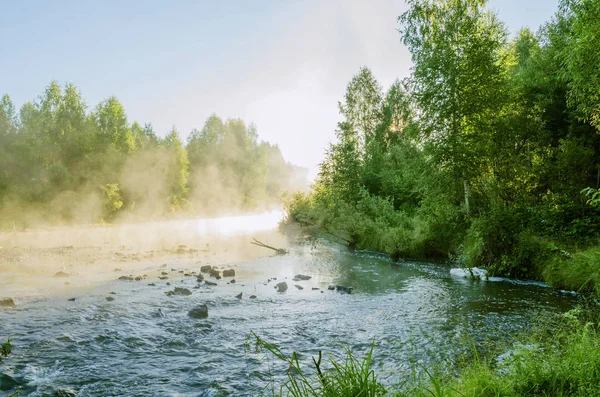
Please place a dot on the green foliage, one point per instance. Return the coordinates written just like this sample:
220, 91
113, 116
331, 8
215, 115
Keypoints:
560, 357
581, 19
579, 272
349, 377
56, 153
113, 200
5, 350
481, 155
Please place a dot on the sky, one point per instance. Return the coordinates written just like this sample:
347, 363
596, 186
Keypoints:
282, 65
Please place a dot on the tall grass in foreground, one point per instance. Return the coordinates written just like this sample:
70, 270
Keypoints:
559, 358
351, 376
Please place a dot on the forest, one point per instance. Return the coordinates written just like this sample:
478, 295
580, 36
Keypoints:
487, 155
64, 163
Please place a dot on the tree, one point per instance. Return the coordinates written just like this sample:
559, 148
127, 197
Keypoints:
581, 57
178, 171
112, 125
457, 50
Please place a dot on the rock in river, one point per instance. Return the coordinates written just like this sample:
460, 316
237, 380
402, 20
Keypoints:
228, 273
239, 296
472, 273
301, 277
200, 311
214, 273
209, 282
205, 268
126, 278
299, 287
179, 291
342, 288
282, 287
7, 302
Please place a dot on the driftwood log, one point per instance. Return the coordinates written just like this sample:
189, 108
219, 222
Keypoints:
278, 251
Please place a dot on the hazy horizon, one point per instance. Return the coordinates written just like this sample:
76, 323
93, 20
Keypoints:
281, 66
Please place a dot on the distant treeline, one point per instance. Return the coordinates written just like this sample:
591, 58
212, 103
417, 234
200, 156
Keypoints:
61, 162
489, 153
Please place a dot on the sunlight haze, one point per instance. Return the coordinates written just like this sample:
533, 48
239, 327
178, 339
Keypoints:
281, 65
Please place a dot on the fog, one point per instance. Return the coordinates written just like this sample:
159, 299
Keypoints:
69, 260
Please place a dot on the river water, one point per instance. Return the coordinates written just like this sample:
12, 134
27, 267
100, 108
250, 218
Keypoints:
414, 312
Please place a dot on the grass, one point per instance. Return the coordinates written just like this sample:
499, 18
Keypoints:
5, 350
349, 377
581, 272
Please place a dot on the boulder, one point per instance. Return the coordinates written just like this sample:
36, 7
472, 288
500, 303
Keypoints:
282, 287
200, 278
205, 268
315, 288
179, 292
209, 282
232, 281
239, 296
163, 278
301, 277
342, 288
126, 278
331, 287
109, 299
299, 287
200, 311
228, 273
7, 302
71, 299
472, 273
252, 296
214, 273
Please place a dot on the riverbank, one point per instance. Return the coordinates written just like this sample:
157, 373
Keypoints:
529, 256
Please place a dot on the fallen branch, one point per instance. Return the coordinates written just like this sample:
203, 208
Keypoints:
278, 251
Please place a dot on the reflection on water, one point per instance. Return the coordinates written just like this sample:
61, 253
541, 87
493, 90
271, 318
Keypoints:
412, 311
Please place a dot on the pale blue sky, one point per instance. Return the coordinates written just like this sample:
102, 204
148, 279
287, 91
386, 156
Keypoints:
280, 64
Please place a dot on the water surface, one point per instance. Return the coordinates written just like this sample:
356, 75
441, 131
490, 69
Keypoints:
413, 312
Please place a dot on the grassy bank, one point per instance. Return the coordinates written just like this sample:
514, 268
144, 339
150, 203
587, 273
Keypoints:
560, 358
499, 244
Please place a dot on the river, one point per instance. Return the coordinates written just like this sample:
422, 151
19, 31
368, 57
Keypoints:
414, 312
